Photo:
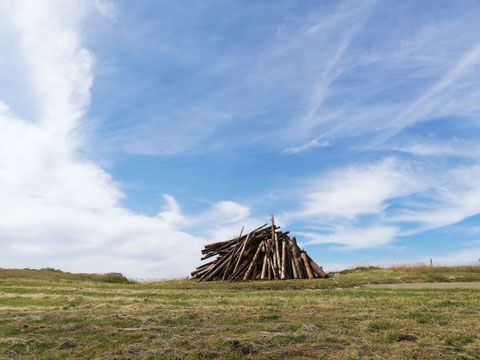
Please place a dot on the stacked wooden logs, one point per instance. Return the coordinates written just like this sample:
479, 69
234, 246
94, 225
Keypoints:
265, 253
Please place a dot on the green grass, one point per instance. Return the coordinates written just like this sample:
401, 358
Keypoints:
53, 315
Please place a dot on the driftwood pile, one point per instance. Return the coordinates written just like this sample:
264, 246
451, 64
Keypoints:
266, 253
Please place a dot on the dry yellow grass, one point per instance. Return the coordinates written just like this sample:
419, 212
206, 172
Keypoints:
51, 315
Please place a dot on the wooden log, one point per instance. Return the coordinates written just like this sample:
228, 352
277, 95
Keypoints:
294, 269
269, 268
218, 244
263, 275
225, 247
284, 260
307, 265
215, 270
254, 261
275, 272
202, 269
296, 257
250, 234
317, 269
227, 268
254, 272
238, 275
277, 253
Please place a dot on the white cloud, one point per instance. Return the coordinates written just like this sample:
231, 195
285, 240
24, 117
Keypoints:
356, 190
354, 238
391, 193
57, 209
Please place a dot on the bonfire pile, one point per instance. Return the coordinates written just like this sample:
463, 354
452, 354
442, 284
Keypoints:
266, 253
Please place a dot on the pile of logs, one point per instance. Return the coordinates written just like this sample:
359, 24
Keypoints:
266, 253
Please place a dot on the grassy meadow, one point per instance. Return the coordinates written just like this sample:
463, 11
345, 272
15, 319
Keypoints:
47, 314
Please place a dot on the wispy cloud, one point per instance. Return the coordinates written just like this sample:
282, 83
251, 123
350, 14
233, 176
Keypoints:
456, 147
310, 144
429, 74
435, 99
454, 197
354, 237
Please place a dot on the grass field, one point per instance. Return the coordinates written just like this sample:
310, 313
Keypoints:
54, 315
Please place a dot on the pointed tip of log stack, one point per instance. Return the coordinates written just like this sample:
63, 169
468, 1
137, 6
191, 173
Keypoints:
265, 253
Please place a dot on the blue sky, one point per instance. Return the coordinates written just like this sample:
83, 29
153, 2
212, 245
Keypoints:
132, 133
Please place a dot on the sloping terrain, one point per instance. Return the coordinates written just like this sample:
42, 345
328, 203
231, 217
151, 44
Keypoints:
53, 315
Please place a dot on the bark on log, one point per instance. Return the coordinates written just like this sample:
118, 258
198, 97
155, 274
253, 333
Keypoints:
307, 265
316, 268
284, 260
294, 269
254, 262
231, 256
296, 257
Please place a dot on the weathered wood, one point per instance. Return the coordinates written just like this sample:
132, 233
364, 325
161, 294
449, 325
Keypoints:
227, 268
277, 253
284, 260
294, 269
269, 269
263, 275
214, 271
254, 262
239, 273
251, 234
316, 268
296, 257
307, 265
264, 253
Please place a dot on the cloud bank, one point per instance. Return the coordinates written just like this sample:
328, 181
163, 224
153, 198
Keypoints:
58, 209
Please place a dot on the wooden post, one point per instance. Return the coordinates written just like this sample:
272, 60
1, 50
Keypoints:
277, 252
263, 275
296, 257
294, 269
269, 269
307, 265
317, 269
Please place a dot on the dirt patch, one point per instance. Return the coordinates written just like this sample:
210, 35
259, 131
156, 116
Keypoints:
437, 285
